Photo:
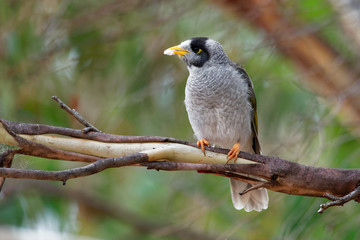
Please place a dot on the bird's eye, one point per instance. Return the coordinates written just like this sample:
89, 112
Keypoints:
197, 50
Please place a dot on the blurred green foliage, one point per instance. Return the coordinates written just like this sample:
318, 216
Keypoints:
105, 59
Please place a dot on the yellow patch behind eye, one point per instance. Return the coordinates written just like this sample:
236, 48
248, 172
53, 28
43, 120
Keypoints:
200, 50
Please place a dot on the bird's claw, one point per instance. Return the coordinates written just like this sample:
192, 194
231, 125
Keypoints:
233, 153
202, 143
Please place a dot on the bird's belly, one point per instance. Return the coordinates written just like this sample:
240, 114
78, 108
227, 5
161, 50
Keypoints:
220, 126
219, 111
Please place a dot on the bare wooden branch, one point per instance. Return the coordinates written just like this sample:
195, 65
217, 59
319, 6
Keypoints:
39, 129
283, 176
339, 201
65, 175
88, 126
6, 159
39, 150
166, 154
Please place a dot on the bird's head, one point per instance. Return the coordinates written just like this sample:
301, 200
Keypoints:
199, 51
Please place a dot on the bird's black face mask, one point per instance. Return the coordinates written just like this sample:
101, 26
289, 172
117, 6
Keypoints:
199, 54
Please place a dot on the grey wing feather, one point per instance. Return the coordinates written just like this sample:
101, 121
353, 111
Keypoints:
252, 99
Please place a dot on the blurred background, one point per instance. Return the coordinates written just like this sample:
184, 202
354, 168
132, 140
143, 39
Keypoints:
105, 58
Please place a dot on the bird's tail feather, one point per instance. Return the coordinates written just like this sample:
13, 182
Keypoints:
254, 200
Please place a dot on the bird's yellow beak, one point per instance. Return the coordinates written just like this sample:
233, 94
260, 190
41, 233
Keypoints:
176, 50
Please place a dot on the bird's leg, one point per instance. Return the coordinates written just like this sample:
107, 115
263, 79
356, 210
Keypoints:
233, 153
202, 143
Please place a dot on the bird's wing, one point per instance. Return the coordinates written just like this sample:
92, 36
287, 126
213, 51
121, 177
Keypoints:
252, 99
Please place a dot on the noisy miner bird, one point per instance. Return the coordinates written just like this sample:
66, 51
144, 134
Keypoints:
221, 106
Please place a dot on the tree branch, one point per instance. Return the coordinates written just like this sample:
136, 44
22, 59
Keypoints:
339, 201
64, 175
88, 127
166, 154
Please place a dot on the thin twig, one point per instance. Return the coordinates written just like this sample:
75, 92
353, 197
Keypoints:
88, 126
65, 175
339, 201
228, 170
38, 129
233, 171
6, 159
254, 187
232, 175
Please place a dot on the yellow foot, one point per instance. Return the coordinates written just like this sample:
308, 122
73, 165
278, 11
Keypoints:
234, 152
202, 143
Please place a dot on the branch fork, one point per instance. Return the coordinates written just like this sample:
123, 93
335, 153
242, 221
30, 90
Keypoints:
100, 151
